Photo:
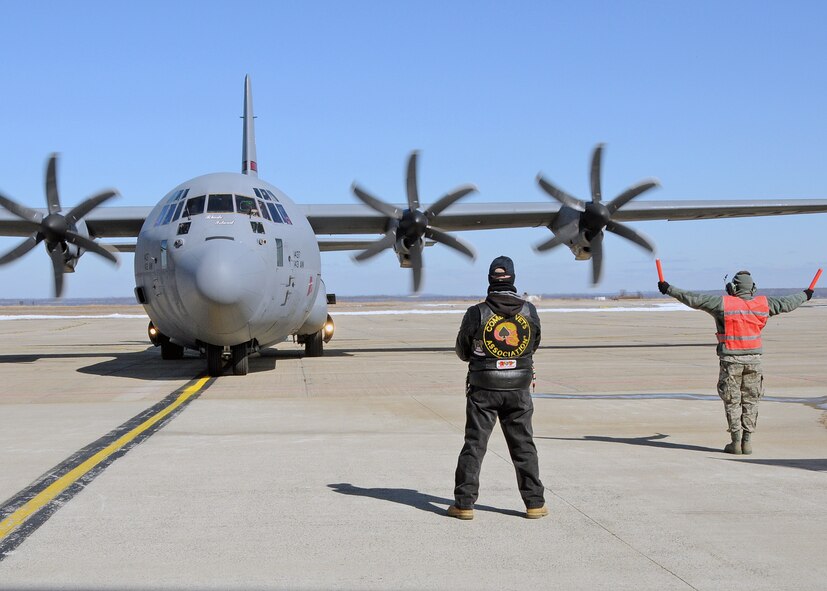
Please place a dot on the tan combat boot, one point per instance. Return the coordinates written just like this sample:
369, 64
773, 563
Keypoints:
536, 512
464, 514
735, 446
746, 444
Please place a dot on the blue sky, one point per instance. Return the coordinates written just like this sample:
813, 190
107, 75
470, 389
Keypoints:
718, 100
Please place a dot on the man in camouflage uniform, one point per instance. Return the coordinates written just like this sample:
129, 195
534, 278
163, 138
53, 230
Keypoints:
498, 338
739, 317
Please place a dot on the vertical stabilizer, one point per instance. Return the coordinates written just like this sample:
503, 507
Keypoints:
248, 150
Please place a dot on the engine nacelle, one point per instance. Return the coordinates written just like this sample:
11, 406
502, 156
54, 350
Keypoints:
318, 316
71, 253
403, 252
580, 245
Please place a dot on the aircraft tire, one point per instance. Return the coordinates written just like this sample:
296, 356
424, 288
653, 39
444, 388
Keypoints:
215, 363
314, 345
171, 350
241, 359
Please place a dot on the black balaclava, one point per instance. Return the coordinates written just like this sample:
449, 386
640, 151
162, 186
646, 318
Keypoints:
501, 275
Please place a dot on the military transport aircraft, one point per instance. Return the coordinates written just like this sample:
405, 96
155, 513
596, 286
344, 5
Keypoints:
227, 264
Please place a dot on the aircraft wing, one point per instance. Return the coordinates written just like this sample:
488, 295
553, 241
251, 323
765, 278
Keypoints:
360, 219
102, 222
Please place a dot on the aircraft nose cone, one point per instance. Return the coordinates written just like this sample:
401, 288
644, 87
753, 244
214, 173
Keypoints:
228, 275
225, 281
221, 279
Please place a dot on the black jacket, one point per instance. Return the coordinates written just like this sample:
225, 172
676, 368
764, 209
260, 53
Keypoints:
508, 305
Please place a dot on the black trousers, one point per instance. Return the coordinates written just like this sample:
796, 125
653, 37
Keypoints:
514, 408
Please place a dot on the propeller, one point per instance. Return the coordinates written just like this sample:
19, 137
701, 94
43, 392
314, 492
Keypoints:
58, 231
408, 228
595, 216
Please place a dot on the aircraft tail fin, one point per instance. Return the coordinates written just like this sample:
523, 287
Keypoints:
248, 150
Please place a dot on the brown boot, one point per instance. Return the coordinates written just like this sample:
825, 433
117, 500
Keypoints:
735, 446
746, 444
464, 514
536, 512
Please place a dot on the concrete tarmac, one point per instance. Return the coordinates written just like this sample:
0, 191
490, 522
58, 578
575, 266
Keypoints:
335, 472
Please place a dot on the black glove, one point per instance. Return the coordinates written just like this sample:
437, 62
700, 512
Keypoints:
809, 293
663, 286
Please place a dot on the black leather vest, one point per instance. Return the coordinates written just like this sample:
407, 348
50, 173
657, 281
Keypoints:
503, 346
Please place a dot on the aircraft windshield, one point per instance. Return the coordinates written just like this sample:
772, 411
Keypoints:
220, 203
246, 205
195, 205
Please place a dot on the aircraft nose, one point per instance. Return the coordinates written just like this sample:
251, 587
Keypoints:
225, 281
222, 276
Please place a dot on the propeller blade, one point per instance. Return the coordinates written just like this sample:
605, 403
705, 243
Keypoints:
629, 234
595, 173
376, 247
376, 204
410, 182
28, 225
448, 200
19, 210
630, 194
565, 234
416, 265
91, 245
24, 247
81, 210
596, 247
560, 195
444, 238
52, 198
57, 266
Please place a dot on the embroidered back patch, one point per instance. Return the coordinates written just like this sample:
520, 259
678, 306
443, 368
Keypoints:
506, 337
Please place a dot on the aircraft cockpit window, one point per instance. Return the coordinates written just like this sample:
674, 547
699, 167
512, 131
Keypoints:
258, 227
274, 213
283, 213
220, 203
246, 205
263, 208
272, 195
195, 205
168, 211
178, 210
261, 194
162, 215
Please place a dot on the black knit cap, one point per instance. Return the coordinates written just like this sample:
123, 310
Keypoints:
501, 271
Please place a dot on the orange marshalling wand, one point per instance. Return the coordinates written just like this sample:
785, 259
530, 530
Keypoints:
815, 280
660, 271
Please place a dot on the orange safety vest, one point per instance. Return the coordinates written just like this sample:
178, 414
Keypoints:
743, 322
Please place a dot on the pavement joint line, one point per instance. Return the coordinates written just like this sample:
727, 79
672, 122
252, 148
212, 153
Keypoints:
620, 539
26, 511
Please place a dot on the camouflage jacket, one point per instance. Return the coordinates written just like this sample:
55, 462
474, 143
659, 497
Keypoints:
714, 305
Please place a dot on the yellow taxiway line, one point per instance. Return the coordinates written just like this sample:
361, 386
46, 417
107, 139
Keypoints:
13, 521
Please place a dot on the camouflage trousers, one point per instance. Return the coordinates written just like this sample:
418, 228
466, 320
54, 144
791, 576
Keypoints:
740, 386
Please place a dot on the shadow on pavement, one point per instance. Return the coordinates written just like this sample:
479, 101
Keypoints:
814, 465
650, 441
413, 498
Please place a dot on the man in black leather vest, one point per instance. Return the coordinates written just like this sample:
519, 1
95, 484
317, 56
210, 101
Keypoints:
498, 338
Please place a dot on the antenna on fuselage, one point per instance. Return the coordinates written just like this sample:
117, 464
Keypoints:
248, 150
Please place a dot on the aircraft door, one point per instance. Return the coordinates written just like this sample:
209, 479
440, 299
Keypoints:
284, 272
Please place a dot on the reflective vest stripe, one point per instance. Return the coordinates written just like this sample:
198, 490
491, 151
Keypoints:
743, 322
